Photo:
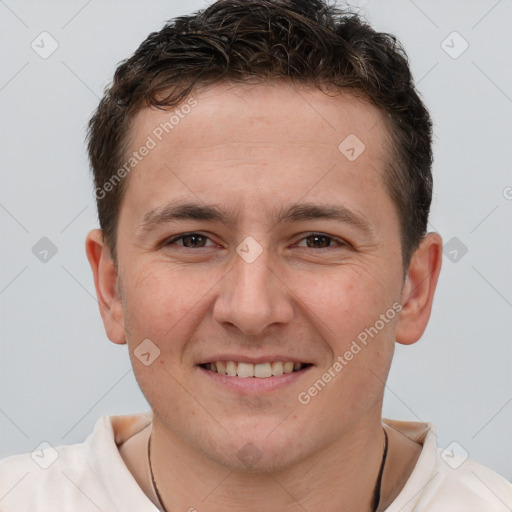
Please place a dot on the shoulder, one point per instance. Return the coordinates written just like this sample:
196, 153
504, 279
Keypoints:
459, 483
85, 476
37, 481
445, 481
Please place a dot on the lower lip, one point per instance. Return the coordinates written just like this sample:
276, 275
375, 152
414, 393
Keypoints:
255, 385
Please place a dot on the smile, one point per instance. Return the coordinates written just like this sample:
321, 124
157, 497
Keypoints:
260, 370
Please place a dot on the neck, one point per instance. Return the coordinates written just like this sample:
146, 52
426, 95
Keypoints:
340, 475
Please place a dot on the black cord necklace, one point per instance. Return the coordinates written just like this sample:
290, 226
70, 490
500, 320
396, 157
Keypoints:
153, 476
378, 484
376, 492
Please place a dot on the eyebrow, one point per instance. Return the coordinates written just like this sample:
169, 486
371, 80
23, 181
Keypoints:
182, 211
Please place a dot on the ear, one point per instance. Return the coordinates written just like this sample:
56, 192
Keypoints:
105, 280
418, 292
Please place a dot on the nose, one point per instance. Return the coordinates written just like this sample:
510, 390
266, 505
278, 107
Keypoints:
253, 296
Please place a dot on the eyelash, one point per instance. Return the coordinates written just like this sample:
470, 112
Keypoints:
338, 241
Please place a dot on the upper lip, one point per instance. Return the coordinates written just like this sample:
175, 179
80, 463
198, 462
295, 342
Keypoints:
240, 358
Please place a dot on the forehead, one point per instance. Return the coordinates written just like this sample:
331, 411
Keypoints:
294, 113
275, 138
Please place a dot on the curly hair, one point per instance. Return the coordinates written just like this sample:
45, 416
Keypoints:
304, 41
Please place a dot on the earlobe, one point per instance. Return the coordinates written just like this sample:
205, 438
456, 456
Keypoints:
106, 284
419, 287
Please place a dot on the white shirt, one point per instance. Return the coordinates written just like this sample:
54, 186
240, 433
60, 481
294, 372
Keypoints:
92, 476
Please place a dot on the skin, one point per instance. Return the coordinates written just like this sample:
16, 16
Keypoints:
256, 150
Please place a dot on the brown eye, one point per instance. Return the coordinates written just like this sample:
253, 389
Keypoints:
193, 240
190, 240
320, 241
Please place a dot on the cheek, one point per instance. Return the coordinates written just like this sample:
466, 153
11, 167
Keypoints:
340, 303
160, 300
160, 309
355, 317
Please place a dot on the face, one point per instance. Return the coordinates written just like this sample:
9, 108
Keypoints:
246, 234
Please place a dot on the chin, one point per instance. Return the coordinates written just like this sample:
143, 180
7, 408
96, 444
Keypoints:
254, 458
256, 452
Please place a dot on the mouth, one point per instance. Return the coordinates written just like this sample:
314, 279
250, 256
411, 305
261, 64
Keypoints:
263, 370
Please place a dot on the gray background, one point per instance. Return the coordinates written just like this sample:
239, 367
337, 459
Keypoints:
58, 371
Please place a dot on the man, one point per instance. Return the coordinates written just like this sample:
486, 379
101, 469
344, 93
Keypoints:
263, 181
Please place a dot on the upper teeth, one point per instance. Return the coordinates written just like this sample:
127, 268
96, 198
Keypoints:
261, 370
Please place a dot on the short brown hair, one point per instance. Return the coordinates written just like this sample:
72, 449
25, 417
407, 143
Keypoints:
305, 41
